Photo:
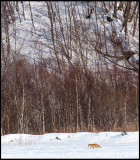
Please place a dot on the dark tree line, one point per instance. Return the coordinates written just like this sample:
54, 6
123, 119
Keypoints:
36, 100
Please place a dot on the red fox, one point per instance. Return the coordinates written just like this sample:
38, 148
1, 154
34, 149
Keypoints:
94, 145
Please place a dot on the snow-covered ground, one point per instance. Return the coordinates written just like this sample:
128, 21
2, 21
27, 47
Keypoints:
70, 145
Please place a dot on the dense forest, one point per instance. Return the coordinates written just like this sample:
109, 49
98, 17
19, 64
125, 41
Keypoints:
81, 72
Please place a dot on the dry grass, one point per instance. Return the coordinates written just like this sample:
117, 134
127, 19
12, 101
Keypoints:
129, 127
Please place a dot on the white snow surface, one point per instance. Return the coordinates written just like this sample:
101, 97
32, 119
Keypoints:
70, 145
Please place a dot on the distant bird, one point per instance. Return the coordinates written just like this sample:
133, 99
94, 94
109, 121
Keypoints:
123, 133
88, 17
109, 19
128, 54
89, 14
57, 138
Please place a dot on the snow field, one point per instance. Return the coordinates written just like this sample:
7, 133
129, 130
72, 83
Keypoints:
71, 145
